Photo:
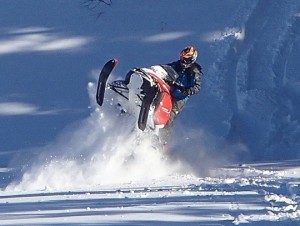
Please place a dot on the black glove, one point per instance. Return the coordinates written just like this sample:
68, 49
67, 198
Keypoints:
177, 86
170, 83
187, 92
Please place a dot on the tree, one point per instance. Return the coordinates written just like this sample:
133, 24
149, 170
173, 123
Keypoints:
96, 6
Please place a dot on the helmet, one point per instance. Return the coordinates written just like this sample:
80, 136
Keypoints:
188, 56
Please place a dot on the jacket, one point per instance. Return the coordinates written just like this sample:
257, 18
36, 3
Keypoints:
188, 80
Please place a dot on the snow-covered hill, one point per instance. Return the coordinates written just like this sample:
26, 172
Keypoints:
62, 160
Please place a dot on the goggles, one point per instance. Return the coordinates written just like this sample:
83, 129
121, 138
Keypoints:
186, 62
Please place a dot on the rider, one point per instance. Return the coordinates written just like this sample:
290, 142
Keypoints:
186, 84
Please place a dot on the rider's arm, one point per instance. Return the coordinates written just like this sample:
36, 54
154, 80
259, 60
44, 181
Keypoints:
196, 82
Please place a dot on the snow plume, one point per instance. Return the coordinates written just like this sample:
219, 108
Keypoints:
103, 149
202, 152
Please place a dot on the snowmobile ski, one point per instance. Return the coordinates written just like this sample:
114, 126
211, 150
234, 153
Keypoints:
146, 104
104, 74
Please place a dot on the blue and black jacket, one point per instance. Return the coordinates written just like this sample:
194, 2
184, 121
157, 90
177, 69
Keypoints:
189, 80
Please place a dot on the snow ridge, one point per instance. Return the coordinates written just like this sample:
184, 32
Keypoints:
253, 84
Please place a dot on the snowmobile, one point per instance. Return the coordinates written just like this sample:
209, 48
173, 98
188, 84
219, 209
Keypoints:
144, 93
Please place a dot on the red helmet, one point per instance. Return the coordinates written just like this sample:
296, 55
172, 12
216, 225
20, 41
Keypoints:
188, 56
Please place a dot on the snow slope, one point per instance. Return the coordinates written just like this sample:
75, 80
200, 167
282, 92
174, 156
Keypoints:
234, 147
261, 194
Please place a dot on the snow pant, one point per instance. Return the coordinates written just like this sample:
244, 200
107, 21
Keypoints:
165, 132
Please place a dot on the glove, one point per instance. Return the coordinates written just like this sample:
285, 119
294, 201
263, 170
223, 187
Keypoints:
176, 85
170, 83
187, 92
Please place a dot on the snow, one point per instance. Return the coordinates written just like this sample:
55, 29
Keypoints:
234, 152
